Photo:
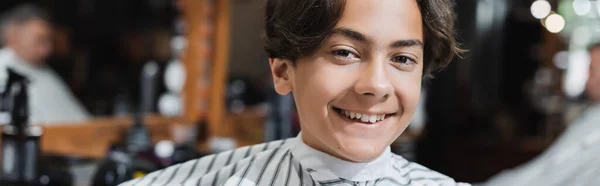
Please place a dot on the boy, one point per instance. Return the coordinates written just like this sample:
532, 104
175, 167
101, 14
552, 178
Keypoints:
355, 69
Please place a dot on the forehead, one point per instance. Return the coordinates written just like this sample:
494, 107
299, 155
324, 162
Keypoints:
383, 20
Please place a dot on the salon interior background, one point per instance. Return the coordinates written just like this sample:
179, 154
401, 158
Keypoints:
502, 104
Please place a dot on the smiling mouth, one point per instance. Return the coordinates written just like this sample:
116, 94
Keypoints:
362, 117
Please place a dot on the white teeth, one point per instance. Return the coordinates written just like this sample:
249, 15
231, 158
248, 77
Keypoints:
373, 118
363, 117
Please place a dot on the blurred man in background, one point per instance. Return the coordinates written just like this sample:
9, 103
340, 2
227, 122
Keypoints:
27, 39
573, 158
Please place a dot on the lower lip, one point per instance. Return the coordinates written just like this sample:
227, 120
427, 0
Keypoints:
360, 122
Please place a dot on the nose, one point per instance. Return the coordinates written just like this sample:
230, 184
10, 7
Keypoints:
373, 81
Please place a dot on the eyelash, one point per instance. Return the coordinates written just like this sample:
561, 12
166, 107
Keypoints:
336, 53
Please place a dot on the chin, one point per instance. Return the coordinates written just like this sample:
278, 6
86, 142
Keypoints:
361, 150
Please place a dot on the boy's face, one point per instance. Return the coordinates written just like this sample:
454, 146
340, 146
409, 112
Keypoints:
372, 64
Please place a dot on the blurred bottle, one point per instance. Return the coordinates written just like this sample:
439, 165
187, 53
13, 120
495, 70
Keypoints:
235, 93
136, 156
20, 141
280, 117
122, 105
148, 87
115, 169
242, 94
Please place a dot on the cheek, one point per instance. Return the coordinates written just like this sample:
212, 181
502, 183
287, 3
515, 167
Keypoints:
334, 80
408, 92
316, 85
323, 79
46, 49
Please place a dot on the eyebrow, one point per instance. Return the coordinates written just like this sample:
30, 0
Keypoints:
355, 35
352, 34
407, 43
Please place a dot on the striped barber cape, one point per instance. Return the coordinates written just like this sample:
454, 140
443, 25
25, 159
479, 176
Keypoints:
291, 162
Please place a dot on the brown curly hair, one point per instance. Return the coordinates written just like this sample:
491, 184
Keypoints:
296, 28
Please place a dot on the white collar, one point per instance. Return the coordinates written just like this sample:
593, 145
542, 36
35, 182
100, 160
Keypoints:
329, 166
10, 58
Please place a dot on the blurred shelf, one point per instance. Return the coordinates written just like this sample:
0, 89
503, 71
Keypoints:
91, 139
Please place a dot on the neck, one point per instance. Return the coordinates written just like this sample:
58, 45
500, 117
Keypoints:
314, 143
326, 163
25, 59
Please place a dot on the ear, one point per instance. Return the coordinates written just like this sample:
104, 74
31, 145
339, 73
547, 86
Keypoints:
281, 70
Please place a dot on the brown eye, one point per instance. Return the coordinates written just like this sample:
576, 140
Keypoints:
344, 54
403, 60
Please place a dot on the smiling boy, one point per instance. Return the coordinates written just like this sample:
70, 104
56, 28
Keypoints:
354, 68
